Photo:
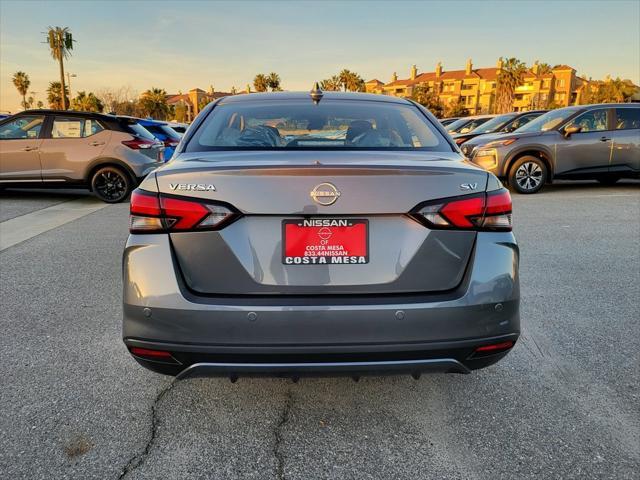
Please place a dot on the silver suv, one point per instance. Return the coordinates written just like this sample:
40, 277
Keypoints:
52, 148
599, 142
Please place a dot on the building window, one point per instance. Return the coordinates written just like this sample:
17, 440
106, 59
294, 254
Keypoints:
545, 83
560, 97
467, 87
560, 83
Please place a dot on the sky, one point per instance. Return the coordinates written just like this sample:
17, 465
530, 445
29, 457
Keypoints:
179, 45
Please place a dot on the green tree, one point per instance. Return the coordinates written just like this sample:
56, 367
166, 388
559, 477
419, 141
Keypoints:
154, 103
428, 99
509, 77
351, 81
456, 109
180, 112
261, 83
544, 69
614, 91
40, 104
87, 102
54, 96
60, 43
22, 83
273, 80
332, 84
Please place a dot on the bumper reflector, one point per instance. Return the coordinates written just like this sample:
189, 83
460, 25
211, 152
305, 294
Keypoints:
146, 353
495, 348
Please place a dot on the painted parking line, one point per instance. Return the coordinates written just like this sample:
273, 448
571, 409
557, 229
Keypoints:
19, 229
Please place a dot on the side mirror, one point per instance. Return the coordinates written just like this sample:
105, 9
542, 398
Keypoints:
571, 129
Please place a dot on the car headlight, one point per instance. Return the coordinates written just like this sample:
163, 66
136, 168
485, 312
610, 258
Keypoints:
486, 158
500, 143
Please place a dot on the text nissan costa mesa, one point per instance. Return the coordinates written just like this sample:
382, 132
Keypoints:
324, 234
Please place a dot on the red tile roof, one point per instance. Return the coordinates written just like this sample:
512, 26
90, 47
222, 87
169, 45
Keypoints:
482, 73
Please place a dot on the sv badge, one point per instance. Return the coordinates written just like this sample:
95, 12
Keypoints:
469, 186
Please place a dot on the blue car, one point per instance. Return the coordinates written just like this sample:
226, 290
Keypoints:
163, 132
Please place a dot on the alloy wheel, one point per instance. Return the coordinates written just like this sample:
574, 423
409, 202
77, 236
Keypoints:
529, 176
110, 185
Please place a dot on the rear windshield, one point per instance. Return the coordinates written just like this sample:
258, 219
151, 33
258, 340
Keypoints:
139, 131
331, 124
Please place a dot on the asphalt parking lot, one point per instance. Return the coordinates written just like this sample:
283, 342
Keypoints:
564, 404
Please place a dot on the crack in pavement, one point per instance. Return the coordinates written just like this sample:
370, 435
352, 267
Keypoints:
284, 418
139, 458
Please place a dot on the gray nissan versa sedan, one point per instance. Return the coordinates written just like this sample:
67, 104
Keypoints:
52, 148
319, 234
599, 142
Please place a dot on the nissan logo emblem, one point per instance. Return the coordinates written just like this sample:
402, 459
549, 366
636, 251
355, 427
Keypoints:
325, 194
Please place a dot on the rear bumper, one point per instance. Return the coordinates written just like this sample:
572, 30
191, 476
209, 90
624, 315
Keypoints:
328, 360
293, 336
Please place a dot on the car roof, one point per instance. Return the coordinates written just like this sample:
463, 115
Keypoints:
251, 97
51, 111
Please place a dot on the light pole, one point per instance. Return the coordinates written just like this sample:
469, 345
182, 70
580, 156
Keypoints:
69, 75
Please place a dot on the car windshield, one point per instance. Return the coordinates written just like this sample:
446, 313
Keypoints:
494, 124
453, 126
331, 124
548, 121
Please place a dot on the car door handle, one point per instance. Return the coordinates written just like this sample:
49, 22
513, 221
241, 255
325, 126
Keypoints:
29, 149
604, 139
96, 144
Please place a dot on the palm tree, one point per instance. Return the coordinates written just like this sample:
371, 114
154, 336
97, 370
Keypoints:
509, 77
60, 42
87, 102
22, 83
260, 83
273, 80
332, 84
154, 103
351, 81
614, 91
53, 95
544, 68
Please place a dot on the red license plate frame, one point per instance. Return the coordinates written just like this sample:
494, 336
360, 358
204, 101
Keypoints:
325, 241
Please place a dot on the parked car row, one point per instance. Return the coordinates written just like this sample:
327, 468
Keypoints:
529, 149
108, 154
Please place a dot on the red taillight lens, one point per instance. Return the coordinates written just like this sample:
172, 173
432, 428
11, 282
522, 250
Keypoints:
185, 214
157, 213
171, 143
486, 211
138, 144
460, 141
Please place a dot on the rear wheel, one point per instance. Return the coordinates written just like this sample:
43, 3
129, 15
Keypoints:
111, 184
528, 175
608, 179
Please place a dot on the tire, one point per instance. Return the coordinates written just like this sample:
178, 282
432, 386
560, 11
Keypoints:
111, 184
528, 174
608, 180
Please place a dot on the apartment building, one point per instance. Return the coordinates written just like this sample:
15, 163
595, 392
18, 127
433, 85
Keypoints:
195, 100
476, 88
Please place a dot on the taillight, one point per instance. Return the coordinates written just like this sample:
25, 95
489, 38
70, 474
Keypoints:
486, 211
139, 144
171, 143
157, 213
